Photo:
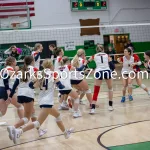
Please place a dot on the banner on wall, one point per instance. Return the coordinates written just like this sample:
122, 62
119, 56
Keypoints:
69, 46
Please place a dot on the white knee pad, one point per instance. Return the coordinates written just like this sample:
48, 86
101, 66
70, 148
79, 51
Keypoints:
25, 120
1, 114
58, 119
130, 85
21, 107
124, 88
88, 91
76, 101
33, 115
36, 124
143, 86
110, 90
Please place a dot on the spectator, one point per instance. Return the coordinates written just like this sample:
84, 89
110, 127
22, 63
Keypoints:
129, 44
14, 52
51, 48
111, 52
125, 45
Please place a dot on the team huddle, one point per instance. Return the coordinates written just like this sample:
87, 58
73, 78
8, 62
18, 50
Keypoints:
71, 89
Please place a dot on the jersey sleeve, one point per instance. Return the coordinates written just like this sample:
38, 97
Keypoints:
59, 59
93, 57
121, 59
136, 58
83, 61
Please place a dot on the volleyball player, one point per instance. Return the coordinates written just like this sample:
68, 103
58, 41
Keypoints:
147, 58
62, 98
46, 102
77, 78
6, 83
25, 94
127, 73
102, 72
36, 54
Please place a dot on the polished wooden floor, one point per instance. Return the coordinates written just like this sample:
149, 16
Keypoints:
128, 119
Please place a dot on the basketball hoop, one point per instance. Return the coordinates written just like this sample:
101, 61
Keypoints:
15, 25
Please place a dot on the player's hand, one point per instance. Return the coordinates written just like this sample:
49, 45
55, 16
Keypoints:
134, 64
109, 59
8, 101
145, 64
85, 62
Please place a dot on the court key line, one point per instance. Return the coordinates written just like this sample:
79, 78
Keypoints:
125, 124
118, 125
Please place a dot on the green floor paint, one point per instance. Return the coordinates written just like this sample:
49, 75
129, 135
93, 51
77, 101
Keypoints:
137, 146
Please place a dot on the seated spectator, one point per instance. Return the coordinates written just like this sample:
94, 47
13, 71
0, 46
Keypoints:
129, 44
13, 51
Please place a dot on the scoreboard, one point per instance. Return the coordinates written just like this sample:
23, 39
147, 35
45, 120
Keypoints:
80, 5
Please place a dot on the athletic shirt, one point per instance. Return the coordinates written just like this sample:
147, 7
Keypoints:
136, 68
101, 60
64, 73
127, 63
11, 79
37, 61
57, 63
46, 97
78, 75
23, 87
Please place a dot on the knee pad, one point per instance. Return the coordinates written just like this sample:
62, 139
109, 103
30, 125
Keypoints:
130, 85
124, 88
76, 101
33, 115
110, 90
25, 120
143, 86
21, 107
58, 119
88, 91
36, 124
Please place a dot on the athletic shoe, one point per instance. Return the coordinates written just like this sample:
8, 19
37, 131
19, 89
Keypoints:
123, 99
42, 132
68, 132
130, 98
81, 102
64, 106
110, 108
77, 114
92, 111
10, 131
17, 133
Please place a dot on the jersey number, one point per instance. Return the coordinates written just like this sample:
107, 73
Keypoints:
102, 59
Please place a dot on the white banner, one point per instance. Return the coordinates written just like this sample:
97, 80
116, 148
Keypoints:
70, 46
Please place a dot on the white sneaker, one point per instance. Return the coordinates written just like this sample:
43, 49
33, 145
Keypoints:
110, 108
42, 132
64, 106
68, 132
59, 108
10, 131
92, 111
17, 133
77, 114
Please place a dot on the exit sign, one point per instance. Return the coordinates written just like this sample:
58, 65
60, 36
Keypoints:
80, 5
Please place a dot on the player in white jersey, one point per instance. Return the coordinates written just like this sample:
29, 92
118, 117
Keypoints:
36, 55
65, 71
45, 100
77, 78
6, 82
147, 58
127, 72
102, 72
25, 94
59, 53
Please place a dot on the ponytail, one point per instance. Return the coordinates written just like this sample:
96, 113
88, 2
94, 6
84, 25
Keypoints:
25, 73
75, 61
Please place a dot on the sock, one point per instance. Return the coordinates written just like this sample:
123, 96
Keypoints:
96, 91
110, 103
1, 114
93, 106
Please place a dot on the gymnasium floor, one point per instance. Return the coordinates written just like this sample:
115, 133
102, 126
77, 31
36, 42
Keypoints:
126, 128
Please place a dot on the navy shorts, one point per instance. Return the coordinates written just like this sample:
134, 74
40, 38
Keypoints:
75, 82
24, 99
101, 75
3, 93
63, 92
46, 106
